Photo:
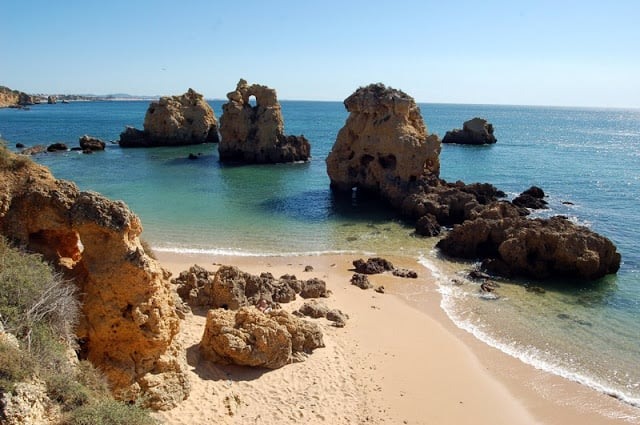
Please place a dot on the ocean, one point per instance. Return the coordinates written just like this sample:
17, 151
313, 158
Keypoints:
586, 159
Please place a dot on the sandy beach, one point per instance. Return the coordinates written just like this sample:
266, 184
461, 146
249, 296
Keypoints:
398, 360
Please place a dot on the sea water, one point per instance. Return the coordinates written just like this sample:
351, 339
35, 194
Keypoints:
586, 160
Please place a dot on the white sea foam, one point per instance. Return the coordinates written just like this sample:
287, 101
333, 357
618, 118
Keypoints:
228, 252
529, 355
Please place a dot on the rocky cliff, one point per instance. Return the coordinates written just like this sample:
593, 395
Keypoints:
255, 134
383, 146
129, 322
15, 98
175, 120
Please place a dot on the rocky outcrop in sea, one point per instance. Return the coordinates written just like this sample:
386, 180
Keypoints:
255, 134
383, 150
476, 131
175, 121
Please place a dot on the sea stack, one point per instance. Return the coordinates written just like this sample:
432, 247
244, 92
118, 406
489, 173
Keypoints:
175, 121
383, 146
255, 134
476, 131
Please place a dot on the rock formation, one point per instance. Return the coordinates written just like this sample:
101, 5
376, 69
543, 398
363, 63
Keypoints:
383, 146
531, 198
15, 98
88, 143
255, 134
476, 131
251, 338
52, 100
538, 248
231, 288
129, 322
175, 121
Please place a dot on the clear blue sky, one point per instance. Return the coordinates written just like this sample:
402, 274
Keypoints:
582, 53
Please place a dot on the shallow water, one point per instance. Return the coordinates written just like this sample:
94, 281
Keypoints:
589, 157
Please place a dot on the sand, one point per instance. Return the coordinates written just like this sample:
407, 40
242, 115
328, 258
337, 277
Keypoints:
395, 362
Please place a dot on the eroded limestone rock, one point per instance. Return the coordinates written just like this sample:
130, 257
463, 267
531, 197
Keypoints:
249, 337
383, 146
255, 134
175, 120
129, 322
538, 248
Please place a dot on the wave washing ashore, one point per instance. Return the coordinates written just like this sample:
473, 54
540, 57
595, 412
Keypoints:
588, 157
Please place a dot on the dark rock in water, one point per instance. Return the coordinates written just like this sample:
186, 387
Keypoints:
192, 156
57, 147
478, 275
374, 265
428, 225
534, 191
563, 316
361, 281
567, 203
19, 145
531, 198
538, 248
132, 137
476, 131
406, 273
528, 201
91, 143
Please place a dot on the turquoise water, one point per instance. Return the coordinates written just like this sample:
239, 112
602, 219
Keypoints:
589, 157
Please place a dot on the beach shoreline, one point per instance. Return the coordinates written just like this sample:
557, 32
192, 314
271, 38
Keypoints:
398, 360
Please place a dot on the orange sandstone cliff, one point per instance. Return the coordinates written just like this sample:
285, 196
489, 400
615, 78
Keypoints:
129, 318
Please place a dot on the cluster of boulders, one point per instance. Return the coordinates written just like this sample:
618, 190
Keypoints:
384, 149
246, 325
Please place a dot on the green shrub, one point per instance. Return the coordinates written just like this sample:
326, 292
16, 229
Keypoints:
147, 248
15, 366
110, 412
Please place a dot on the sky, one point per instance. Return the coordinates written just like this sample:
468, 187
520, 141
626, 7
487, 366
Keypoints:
561, 52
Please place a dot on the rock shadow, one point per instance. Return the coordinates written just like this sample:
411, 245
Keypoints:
210, 371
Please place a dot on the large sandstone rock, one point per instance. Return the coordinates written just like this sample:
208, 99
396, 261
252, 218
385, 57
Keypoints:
129, 322
255, 134
538, 248
476, 131
15, 98
175, 120
383, 146
249, 337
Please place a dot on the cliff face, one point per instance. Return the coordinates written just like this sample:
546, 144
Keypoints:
9, 98
129, 320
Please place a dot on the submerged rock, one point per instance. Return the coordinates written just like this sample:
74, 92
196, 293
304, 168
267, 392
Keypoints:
91, 143
255, 134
